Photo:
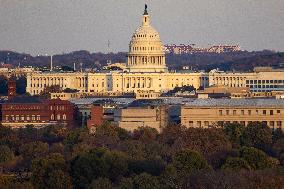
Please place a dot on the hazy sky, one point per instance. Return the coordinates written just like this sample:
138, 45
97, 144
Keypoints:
56, 26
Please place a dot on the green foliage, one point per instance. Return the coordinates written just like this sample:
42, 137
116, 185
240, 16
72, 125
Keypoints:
146, 181
8, 137
278, 148
125, 183
6, 154
151, 166
236, 163
51, 172
187, 161
256, 159
97, 163
117, 162
277, 134
257, 135
204, 141
234, 131
178, 157
34, 150
145, 134
101, 183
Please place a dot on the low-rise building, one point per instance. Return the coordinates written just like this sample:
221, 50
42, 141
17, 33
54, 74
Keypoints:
261, 80
141, 115
21, 111
212, 112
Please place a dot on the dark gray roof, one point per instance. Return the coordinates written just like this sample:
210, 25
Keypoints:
236, 102
146, 102
24, 100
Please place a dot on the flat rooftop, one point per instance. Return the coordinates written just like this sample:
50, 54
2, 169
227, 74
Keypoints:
236, 103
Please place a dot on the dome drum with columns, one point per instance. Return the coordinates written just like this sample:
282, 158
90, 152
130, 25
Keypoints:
146, 71
146, 52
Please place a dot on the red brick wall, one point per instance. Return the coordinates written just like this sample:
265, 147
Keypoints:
48, 111
97, 113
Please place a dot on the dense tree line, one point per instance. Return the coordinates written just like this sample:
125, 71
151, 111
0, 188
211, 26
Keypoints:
232, 156
241, 61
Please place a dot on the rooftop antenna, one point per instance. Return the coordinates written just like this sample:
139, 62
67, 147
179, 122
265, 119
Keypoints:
51, 63
108, 49
81, 65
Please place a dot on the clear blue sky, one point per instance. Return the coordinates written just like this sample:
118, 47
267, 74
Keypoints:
56, 26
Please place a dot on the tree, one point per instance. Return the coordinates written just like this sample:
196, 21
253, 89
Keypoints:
6, 154
88, 167
51, 172
150, 166
258, 135
145, 133
204, 141
172, 133
169, 178
277, 134
186, 161
118, 165
106, 135
9, 137
146, 181
101, 183
234, 131
33, 150
256, 159
236, 163
125, 183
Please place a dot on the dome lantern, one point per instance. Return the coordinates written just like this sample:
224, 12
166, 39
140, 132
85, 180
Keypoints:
146, 50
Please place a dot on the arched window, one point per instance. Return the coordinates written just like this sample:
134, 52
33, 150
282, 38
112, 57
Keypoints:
58, 117
64, 117
52, 117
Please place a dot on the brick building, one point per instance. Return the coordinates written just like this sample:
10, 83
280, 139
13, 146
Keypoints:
21, 111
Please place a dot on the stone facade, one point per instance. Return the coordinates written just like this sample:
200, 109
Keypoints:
145, 70
132, 118
262, 81
213, 112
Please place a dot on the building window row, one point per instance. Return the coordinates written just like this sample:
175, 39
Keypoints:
18, 118
248, 112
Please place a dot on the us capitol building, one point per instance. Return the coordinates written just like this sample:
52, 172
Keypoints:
146, 70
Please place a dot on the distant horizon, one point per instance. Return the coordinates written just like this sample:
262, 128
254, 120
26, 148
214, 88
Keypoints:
61, 27
62, 53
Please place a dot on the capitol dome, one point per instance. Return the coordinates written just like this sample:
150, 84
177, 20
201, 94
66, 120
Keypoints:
146, 50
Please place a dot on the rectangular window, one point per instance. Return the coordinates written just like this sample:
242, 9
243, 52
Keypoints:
227, 112
271, 124
206, 123
234, 112
279, 124
264, 112
198, 123
190, 124
278, 111
256, 111
271, 112
242, 112
249, 112
220, 123
220, 112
